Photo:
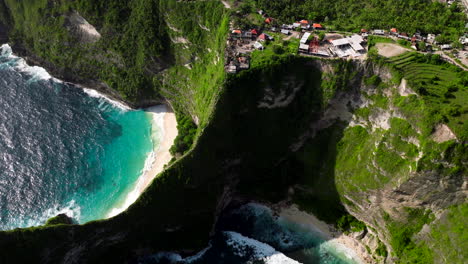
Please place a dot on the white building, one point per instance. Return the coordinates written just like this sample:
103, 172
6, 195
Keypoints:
258, 45
379, 32
303, 48
350, 46
446, 46
305, 37
464, 40
430, 38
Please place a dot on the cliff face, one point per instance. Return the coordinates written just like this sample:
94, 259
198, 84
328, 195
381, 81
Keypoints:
396, 167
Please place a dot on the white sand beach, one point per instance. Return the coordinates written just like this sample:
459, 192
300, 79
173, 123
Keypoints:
164, 123
347, 245
162, 154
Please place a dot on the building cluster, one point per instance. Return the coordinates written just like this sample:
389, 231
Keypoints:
332, 46
241, 43
303, 25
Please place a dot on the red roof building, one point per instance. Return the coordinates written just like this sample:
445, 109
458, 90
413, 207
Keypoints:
363, 30
394, 30
317, 26
268, 20
236, 31
262, 37
304, 22
254, 32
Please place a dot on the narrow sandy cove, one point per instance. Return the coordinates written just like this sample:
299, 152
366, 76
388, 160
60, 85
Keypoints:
347, 245
163, 122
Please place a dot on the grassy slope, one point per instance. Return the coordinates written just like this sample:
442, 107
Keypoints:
450, 236
194, 88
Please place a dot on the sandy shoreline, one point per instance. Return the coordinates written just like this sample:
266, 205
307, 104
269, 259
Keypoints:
347, 245
162, 154
163, 122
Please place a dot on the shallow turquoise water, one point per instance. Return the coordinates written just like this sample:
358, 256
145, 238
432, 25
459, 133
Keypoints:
62, 150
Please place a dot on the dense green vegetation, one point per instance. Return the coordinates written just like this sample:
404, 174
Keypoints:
59, 219
348, 223
443, 86
199, 30
381, 250
450, 236
352, 15
274, 51
403, 244
186, 134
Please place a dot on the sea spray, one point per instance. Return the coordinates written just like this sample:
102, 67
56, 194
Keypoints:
35, 72
96, 94
71, 209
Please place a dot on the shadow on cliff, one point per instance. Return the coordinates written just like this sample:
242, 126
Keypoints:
244, 154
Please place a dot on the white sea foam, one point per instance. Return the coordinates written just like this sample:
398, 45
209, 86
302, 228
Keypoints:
157, 127
36, 72
197, 256
39, 73
71, 209
339, 250
100, 96
6, 51
261, 251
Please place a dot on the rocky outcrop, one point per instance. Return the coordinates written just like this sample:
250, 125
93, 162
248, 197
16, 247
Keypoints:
60, 219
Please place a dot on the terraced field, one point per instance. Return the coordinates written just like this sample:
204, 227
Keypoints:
443, 86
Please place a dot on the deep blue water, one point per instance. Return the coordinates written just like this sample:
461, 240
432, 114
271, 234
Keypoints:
62, 150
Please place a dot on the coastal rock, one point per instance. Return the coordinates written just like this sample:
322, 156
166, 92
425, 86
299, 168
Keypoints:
61, 219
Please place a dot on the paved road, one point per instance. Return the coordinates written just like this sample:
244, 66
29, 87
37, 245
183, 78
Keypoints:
451, 60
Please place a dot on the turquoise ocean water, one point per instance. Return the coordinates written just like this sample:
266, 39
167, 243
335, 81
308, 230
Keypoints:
64, 149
